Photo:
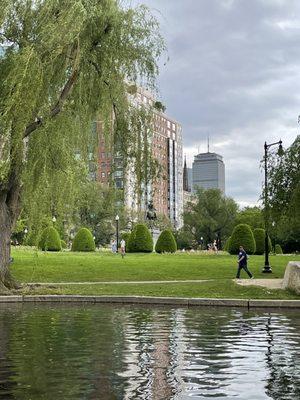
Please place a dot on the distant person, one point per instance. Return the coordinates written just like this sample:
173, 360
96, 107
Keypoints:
114, 246
242, 263
215, 247
123, 248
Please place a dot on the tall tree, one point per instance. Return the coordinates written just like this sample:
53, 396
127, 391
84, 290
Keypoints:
211, 216
62, 63
252, 216
284, 195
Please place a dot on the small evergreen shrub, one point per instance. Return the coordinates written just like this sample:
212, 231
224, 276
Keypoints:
242, 235
130, 242
50, 240
83, 241
278, 249
140, 240
259, 236
166, 242
63, 244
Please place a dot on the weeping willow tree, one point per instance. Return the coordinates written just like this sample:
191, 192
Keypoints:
61, 64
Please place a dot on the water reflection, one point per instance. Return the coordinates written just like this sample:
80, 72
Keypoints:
118, 352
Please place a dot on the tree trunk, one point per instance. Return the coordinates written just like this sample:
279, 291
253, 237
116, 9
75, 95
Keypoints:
7, 219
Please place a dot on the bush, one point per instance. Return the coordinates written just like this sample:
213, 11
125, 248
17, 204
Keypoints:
259, 237
166, 242
242, 235
140, 240
278, 249
130, 243
83, 241
226, 245
63, 244
50, 240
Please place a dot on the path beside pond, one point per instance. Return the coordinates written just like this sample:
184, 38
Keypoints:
267, 283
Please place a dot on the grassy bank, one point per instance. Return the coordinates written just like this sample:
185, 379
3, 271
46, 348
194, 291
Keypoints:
218, 288
33, 266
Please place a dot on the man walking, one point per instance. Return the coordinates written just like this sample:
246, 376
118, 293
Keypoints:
242, 263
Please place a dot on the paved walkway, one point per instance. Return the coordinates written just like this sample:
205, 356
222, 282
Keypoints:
267, 283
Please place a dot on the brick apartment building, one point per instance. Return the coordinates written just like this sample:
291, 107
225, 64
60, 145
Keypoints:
166, 192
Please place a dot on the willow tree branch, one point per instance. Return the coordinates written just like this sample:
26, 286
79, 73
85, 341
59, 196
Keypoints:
65, 93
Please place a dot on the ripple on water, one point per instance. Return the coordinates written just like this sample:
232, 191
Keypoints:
128, 352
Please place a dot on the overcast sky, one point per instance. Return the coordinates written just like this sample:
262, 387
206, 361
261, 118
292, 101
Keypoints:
233, 74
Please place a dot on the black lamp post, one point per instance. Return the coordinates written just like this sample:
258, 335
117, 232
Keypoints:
117, 231
267, 267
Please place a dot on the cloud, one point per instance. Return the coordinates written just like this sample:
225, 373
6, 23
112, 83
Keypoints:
234, 73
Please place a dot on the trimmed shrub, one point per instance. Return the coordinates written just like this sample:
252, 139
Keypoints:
278, 249
242, 235
63, 244
140, 240
166, 242
226, 245
259, 237
83, 241
129, 243
50, 240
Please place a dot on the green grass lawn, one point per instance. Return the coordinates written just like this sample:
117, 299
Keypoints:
35, 266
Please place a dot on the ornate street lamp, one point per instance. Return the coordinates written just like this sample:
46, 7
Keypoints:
267, 267
117, 230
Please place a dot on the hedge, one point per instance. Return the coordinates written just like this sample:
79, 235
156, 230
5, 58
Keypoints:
83, 241
278, 249
259, 237
50, 240
166, 242
242, 235
140, 240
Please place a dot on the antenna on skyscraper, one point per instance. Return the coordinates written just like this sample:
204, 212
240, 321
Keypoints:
208, 143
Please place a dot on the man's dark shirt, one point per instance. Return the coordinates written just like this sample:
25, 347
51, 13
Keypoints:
244, 260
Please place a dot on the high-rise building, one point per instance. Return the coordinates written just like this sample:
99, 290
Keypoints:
165, 141
209, 172
187, 177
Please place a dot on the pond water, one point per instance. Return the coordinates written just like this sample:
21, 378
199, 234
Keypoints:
130, 352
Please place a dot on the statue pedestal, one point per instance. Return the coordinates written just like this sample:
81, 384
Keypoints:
155, 235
